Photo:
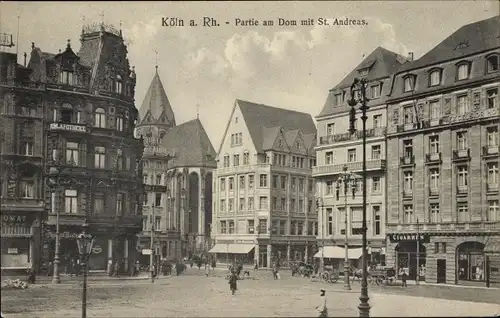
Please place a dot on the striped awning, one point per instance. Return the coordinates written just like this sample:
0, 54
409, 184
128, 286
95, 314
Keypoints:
232, 248
338, 252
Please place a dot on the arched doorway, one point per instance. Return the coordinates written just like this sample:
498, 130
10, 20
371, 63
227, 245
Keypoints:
406, 259
470, 262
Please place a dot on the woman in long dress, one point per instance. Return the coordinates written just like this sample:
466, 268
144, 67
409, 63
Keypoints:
233, 283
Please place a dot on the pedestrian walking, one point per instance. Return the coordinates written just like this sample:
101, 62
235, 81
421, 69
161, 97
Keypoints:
50, 269
233, 285
109, 269
255, 265
31, 275
214, 263
404, 277
116, 269
207, 269
321, 307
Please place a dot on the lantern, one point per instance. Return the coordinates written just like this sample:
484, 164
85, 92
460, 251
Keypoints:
85, 242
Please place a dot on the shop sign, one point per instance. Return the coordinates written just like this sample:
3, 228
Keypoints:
14, 218
97, 249
68, 127
65, 235
424, 238
12, 251
244, 241
474, 115
156, 150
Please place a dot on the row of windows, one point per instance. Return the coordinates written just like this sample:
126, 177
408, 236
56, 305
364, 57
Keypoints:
463, 70
236, 159
462, 175
376, 123
463, 106
100, 118
462, 210
277, 180
71, 203
354, 221
115, 85
279, 227
74, 155
356, 185
376, 154
373, 92
462, 141
245, 205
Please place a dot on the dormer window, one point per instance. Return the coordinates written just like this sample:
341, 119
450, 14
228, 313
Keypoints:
375, 91
338, 99
492, 63
409, 83
66, 78
463, 70
363, 72
435, 77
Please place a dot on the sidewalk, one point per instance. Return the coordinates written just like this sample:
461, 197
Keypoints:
91, 277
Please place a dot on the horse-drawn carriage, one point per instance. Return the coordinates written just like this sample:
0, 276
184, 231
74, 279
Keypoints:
376, 274
329, 274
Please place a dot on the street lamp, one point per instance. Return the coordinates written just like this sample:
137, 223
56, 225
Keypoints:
85, 242
56, 277
319, 204
347, 179
151, 256
360, 85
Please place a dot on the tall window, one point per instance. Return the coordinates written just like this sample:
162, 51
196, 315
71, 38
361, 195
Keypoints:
119, 160
250, 226
293, 183
462, 104
434, 179
236, 160
351, 155
377, 219
118, 84
376, 152
408, 114
100, 118
66, 77
157, 223
375, 91
242, 182
158, 199
275, 181
408, 213
301, 205
329, 213
376, 185
462, 140
493, 211
283, 182
435, 109
283, 204
230, 204
338, 99
119, 203
434, 144
463, 71
27, 149
329, 157
493, 175
242, 204
492, 63
231, 183
263, 205
72, 153
329, 187
263, 180
330, 129
292, 205
98, 203
462, 174
99, 157
246, 158
377, 121
226, 161
119, 123
70, 201
250, 181
435, 78
408, 148
409, 83
463, 211
27, 189
222, 184
274, 203
223, 227
301, 185
158, 179
222, 205
408, 181
434, 209
492, 134
492, 98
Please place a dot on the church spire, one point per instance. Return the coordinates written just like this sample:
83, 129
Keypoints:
156, 64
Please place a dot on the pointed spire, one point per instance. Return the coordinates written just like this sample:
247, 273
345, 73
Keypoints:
198, 111
68, 46
156, 64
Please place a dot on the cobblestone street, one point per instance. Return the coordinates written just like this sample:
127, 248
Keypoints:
196, 295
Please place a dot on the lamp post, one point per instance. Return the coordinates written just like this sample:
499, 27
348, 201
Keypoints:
417, 278
347, 179
360, 86
56, 277
183, 209
85, 242
319, 204
152, 247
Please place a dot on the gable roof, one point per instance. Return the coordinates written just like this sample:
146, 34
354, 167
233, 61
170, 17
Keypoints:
156, 101
270, 134
191, 145
258, 117
469, 39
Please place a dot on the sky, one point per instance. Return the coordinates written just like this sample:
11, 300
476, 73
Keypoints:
206, 68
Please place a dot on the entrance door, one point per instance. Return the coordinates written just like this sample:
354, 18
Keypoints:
263, 259
441, 271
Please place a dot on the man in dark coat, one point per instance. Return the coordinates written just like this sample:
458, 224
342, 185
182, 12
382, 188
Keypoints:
233, 283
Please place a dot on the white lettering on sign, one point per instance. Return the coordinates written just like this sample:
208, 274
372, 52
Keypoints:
156, 149
474, 115
406, 237
68, 127
14, 218
65, 235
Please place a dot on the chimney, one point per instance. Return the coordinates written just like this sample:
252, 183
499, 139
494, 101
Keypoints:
25, 58
32, 45
410, 56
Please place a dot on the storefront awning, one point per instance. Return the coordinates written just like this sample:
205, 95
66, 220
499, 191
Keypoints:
492, 247
380, 250
339, 252
232, 248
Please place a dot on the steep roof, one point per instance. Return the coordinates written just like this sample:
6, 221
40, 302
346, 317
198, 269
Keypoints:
258, 117
191, 145
157, 103
469, 39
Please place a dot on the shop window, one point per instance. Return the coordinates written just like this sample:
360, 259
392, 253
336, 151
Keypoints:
470, 260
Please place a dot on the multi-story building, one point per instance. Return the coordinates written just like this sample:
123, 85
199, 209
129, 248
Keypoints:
339, 151
443, 157
22, 105
90, 153
178, 163
263, 191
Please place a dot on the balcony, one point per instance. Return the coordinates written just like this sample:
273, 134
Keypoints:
373, 132
244, 169
433, 192
371, 165
408, 160
461, 154
407, 127
22, 204
407, 194
433, 157
492, 187
490, 150
462, 190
